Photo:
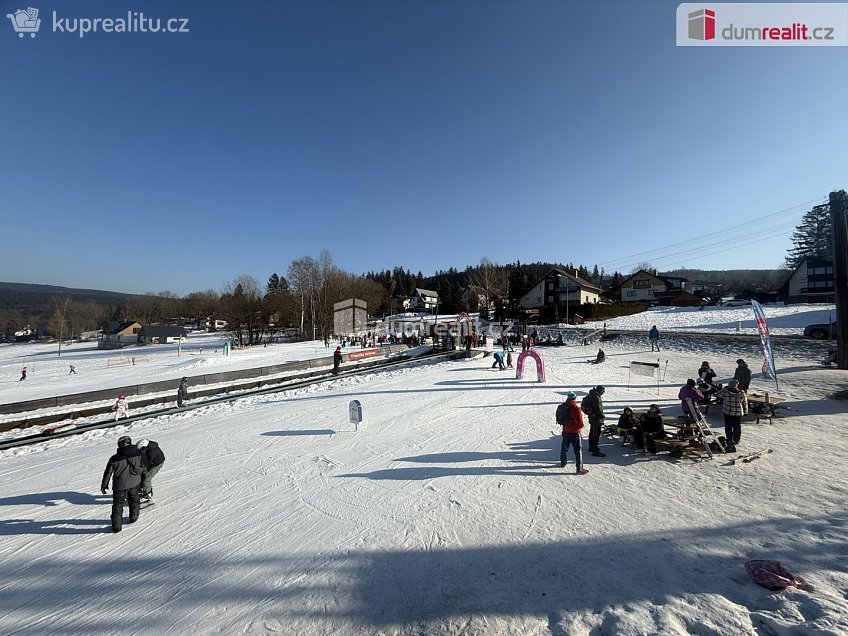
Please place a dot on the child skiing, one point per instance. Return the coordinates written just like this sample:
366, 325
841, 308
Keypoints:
121, 407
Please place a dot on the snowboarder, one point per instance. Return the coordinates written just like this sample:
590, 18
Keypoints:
654, 337
337, 360
734, 404
182, 392
153, 458
121, 407
569, 416
126, 470
593, 406
743, 375
23, 374
73, 370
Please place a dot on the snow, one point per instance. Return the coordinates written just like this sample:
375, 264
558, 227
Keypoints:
446, 512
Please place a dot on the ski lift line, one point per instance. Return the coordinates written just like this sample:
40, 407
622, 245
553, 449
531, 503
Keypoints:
791, 210
700, 255
727, 245
657, 253
762, 231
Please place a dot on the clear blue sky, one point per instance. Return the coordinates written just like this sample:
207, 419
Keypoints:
421, 133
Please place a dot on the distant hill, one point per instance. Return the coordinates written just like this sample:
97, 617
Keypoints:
27, 297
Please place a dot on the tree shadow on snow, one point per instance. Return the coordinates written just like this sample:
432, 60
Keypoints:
442, 589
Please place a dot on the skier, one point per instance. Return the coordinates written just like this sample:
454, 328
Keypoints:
121, 407
153, 458
337, 360
126, 471
593, 406
73, 370
569, 416
182, 391
509, 360
23, 374
654, 337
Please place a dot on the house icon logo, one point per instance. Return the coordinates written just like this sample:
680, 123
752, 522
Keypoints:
25, 21
702, 25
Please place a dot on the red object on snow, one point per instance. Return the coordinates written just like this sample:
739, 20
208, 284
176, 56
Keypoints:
773, 576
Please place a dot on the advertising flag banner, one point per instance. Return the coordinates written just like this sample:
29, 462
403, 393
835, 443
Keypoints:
765, 341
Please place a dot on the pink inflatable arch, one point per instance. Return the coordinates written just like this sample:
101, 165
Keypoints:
540, 365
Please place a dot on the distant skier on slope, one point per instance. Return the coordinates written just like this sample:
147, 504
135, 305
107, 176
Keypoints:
121, 407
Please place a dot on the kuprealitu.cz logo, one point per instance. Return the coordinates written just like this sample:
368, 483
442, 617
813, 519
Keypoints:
27, 22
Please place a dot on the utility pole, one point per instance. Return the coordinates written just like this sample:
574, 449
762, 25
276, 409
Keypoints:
839, 221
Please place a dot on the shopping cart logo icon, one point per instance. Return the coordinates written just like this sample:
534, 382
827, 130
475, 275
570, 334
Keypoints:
25, 21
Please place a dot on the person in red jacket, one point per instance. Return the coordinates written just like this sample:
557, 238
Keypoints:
570, 417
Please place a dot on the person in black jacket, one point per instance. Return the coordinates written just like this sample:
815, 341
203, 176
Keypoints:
743, 375
337, 360
153, 458
182, 391
126, 470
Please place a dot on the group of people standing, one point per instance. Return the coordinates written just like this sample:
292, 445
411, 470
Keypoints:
733, 400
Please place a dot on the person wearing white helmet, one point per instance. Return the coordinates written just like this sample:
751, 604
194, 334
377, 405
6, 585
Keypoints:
126, 470
121, 407
153, 458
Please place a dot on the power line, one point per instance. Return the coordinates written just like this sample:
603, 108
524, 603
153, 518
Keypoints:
660, 253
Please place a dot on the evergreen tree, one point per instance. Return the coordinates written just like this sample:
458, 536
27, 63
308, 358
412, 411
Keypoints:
813, 237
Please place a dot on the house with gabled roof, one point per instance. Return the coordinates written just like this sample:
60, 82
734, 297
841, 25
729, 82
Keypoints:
811, 281
558, 287
119, 335
423, 299
647, 287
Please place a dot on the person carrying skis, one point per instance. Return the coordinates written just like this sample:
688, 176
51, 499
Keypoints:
570, 417
691, 392
121, 407
126, 471
654, 337
153, 458
182, 391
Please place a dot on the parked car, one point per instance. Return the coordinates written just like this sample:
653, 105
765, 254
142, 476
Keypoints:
735, 302
820, 331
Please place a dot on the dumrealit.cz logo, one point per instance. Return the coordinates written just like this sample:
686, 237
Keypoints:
26, 21
749, 24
